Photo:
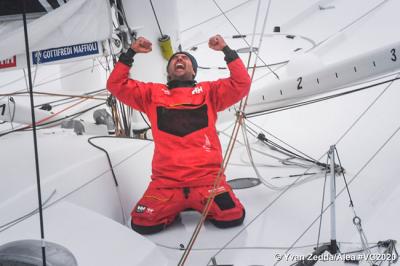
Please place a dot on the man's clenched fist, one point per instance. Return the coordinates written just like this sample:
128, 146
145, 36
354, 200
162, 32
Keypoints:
216, 43
141, 45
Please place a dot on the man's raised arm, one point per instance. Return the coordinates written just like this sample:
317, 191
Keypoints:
228, 91
131, 92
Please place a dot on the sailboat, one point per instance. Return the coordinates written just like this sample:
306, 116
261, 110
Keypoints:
314, 160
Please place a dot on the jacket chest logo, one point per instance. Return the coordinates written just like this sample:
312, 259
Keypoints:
197, 90
166, 92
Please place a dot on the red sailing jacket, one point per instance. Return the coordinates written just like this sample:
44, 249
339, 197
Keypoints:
187, 149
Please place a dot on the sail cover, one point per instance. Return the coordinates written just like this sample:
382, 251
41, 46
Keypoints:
73, 22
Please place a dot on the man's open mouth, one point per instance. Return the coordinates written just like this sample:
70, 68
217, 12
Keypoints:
179, 66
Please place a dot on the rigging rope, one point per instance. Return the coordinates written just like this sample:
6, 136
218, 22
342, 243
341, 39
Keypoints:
26, 82
283, 151
41, 122
121, 114
254, 34
280, 64
247, 145
56, 95
155, 16
373, 245
350, 24
112, 102
75, 115
11, 223
269, 142
124, 219
48, 81
366, 110
57, 113
356, 218
66, 75
216, 16
39, 192
68, 99
278, 109
121, 11
262, 33
14, 81
281, 160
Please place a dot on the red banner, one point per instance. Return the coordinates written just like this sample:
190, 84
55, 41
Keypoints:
10, 62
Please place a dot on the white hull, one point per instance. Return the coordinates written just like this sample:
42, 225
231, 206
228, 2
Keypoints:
88, 214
